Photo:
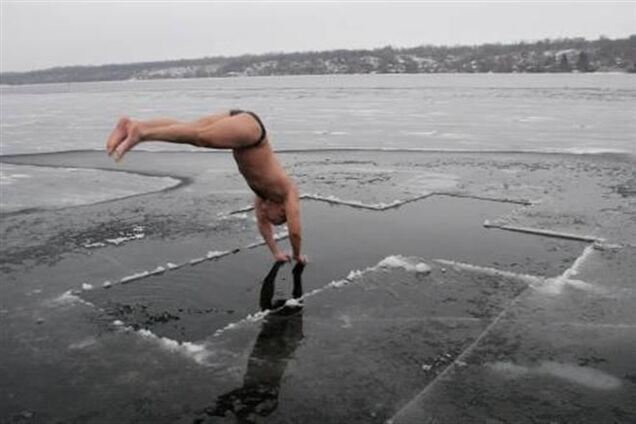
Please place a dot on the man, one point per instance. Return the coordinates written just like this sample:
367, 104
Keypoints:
276, 200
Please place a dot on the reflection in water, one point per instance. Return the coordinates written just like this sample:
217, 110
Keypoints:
281, 333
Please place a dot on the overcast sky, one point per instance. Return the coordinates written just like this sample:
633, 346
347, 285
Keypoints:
37, 35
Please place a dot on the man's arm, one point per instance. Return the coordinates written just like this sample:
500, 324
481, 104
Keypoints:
265, 228
292, 212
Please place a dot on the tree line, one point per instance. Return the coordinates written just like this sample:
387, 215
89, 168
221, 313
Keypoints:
559, 55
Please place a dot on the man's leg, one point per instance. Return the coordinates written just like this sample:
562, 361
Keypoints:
211, 119
121, 130
219, 131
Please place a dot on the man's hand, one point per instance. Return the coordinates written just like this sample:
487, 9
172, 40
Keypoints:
282, 257
301, 259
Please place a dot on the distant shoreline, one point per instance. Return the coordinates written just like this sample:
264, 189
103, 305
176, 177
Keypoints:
547, 56
247, 77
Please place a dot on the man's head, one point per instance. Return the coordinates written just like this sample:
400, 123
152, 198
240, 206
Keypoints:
275, 212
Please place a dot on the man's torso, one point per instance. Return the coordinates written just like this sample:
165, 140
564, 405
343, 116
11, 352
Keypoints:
262, 172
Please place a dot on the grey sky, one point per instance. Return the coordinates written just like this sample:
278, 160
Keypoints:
37, 35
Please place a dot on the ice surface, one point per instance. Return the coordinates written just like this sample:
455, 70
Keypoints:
34, 187
414, 265
338, 240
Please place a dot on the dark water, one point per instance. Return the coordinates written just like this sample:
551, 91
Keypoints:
341, 238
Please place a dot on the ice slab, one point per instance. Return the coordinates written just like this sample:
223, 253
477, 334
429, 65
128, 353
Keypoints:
210, 295
526, 372
35, 187
565, 357
357, 349
365, 345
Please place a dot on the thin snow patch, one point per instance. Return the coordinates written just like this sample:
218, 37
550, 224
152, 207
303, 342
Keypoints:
215, 254
599, 245
233, 216
542, 284
294, 303
158, 270
197, 352
542, 232
535, 118
67, 298
194, 351
354, 274
353, 203
335, 284
241, 210
420, 133
406, 263
508, 369
251, 318
134, 277
119, 240
556, 285
83, 344
530, 279
585, 376
90, 245
277, 236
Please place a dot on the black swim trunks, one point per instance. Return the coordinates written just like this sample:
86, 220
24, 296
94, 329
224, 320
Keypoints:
234, 112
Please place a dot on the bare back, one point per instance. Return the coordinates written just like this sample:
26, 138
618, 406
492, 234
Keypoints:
263, 172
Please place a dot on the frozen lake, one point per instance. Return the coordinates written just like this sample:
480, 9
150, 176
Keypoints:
565, 112
471, 242
586, 113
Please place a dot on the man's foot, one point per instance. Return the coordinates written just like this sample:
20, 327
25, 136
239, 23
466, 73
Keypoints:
132, 138
119, 133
